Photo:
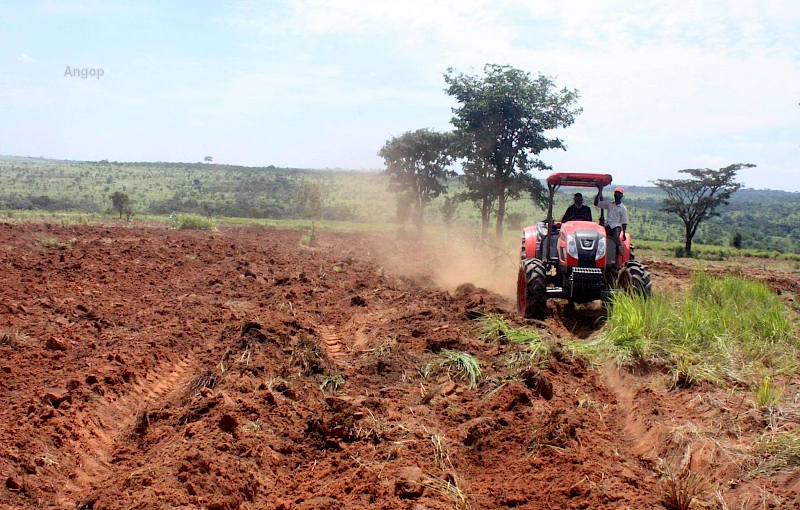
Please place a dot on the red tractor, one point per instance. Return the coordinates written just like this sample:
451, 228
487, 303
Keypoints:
575, 260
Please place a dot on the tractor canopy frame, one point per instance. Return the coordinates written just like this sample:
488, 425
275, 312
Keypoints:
580, 180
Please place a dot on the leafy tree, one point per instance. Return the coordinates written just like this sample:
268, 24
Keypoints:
501, 121
448, 210
417, 165
479, 180
696, 199
311, 200
736, 242
120, 202
208, 159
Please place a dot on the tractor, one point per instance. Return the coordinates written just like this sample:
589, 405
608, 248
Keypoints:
575, 260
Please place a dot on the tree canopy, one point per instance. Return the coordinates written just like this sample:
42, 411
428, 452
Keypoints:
696, 199
501, 121
121, 202
417, 165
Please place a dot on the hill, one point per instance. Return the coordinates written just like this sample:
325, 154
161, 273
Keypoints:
766, 219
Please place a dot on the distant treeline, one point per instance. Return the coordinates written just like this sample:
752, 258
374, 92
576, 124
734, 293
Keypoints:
765, 219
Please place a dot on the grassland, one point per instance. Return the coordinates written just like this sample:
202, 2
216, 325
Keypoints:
727, 331
769, 221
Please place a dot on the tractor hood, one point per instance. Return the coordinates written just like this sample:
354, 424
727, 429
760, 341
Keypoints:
572, 227
582, 243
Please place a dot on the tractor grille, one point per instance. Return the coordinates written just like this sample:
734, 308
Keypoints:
587, 272
586, 281
586, 275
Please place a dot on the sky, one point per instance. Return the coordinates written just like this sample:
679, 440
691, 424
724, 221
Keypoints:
665, 85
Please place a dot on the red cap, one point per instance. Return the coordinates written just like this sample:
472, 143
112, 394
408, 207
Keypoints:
620, 190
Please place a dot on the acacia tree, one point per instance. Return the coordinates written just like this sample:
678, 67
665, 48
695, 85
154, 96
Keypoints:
501, 119
417, 164
696, 199
121, 203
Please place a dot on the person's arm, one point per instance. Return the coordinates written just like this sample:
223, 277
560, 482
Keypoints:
564, 218
599, 196
589, 212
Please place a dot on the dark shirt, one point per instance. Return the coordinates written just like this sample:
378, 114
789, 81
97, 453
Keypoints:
583, 213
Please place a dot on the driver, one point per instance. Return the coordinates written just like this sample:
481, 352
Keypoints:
577, 211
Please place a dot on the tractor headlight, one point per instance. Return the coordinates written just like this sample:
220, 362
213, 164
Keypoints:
572, 247
601, 248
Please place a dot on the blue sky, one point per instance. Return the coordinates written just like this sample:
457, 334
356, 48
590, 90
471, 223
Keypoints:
324, 83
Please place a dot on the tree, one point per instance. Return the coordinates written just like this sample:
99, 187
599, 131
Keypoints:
311, 200
501, 122
696, 199
208, 159
479, 180
417, 165
120, 202
736, 242
448, 210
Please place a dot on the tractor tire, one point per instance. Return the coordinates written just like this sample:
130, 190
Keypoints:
634, 278
532, 289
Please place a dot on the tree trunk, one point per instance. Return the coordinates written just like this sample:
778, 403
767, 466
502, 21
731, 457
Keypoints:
689, 236
486, 210
419, 215
501, 212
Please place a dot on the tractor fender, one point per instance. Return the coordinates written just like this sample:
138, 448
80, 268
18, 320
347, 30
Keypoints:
529, 240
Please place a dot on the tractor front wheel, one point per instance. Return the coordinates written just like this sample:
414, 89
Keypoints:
532, 289
634, 278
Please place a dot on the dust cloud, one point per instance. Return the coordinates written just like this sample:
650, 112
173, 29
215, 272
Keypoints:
453, 260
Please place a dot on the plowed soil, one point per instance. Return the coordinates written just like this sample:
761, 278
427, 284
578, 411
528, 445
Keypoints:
148, 368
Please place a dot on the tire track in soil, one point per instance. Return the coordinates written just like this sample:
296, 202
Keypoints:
638, 427
113, 420
334, 346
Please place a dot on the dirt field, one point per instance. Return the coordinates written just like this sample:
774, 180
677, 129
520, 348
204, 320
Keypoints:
147, 368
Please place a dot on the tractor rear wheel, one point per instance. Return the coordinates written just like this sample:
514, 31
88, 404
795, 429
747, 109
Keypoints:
532, 289
634, 278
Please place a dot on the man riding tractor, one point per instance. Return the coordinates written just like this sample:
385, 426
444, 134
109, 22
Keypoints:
575, 260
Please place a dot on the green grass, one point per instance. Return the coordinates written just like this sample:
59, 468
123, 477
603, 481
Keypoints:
766, 394
464, 365
727, 331
495, 328
182, 221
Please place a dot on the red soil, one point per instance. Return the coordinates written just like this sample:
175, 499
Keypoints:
146, 368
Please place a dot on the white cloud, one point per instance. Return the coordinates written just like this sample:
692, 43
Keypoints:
26, 58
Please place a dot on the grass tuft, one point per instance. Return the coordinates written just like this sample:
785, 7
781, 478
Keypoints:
781, 450
51, 243
449, 489
725, 331
495, 328
181, 221
332, 382
681, 489
464, 364
766, 394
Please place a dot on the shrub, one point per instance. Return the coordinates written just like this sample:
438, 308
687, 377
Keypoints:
181, 221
